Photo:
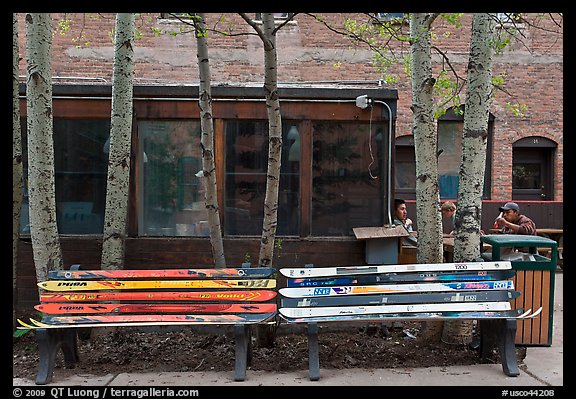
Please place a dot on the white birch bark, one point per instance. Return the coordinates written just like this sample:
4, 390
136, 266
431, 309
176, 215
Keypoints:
116, 213
425, 143
472, 166
41, 186
471, 178
17, 182
274, 142
207, 142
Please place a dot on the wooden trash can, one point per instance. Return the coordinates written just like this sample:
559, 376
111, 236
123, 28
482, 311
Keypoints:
535, 277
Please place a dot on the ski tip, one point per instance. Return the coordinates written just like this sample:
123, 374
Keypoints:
536, 313
38, 323
523, 315
25, 325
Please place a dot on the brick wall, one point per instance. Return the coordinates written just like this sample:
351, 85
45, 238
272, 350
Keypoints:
307, 51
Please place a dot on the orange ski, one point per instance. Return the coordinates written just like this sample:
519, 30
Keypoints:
215, 296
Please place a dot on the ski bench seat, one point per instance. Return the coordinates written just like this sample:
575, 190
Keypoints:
410, 292
75, 298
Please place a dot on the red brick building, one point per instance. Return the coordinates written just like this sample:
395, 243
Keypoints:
320, 75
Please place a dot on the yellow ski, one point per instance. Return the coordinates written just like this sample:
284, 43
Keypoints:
83, 285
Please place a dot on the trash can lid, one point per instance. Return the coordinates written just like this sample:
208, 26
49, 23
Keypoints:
518, 240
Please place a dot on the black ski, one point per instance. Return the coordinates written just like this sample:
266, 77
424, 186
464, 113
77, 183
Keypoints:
479, 275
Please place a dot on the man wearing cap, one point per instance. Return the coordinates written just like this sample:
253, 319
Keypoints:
512, 222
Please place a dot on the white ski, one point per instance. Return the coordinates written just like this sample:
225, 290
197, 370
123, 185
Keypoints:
417, 267
379, 309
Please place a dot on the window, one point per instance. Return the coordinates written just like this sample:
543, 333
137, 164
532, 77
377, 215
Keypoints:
347, 187
532, 169
405, 168
171, 196
176, 15
509, 18
450, 142
278, 16
391, 17
245, 178
80, 168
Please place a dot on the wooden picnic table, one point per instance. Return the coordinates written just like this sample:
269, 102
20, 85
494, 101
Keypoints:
558, 236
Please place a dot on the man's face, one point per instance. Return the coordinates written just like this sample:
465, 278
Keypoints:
510, 215
401, 212
448, 213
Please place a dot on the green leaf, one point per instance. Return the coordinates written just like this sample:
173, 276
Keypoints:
20, 332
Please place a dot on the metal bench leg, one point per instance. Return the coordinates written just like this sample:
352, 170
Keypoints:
49, 343
243, 351
313, 352
508, 347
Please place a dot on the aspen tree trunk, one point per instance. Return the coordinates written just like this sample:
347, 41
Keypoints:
116, 213
41, 186
17, 182
425, 143
267, 334
274, 142
207, 142
472, 166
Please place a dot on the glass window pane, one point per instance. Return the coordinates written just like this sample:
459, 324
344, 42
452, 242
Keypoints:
246, 166
347, 190
171, 196
450, 143
80, 166
526, 176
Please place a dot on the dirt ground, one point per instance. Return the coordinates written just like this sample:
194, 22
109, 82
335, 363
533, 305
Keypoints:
113, 351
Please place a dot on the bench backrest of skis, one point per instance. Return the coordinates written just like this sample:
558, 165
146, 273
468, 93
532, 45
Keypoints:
444, 290
178, 296
481, 291
227, 299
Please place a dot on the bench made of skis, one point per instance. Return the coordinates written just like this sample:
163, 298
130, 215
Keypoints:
415, 292
75, 298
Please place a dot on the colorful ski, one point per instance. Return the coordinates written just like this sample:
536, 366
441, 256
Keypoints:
81, 308
214, 296
256, 272
506, 314
389, 288
425, 267
163, 319
429, 297
480, 275
82, 285
377, 309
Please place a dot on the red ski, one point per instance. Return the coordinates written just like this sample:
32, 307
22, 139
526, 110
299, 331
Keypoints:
256, 272
258, 295
80, 308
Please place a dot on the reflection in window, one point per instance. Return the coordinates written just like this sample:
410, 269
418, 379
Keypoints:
526, 176
171, 196
246, 166
345, 195
80, 167
450, 145
405, 168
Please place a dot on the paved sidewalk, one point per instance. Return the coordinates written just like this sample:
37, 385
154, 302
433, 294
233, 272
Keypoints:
543, 366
